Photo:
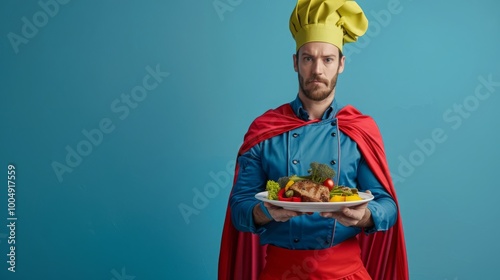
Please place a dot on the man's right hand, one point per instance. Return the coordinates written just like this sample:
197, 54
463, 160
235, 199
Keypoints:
278, 213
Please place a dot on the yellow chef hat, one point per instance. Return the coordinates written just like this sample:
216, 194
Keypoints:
332, 21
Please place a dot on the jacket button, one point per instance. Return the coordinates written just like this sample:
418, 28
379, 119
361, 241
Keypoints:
295, 135
333, 162
334, 134
295, 161
334, 122
296, 240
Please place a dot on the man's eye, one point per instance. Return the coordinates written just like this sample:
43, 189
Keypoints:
328, 60
307, 59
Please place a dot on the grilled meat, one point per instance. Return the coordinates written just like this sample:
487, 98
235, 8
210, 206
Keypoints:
310, 191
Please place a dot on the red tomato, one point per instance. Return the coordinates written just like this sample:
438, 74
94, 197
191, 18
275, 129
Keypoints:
329, 183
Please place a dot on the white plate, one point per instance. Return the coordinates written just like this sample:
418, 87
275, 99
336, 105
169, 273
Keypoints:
314, 206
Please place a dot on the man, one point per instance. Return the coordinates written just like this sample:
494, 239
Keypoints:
361, 242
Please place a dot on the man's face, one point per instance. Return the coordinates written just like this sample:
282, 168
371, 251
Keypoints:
318, 66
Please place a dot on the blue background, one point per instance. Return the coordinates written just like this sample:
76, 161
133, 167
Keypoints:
117, 214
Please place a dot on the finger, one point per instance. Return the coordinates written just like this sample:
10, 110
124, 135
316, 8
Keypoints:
347, 222
292, 213
355, 208
326, 214
353, 213
334, 215
273, 208
270, 206
341, 218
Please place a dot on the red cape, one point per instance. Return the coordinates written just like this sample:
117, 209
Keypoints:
383, 253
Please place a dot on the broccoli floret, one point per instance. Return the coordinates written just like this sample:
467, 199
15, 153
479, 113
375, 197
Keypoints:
318, 173
272, 187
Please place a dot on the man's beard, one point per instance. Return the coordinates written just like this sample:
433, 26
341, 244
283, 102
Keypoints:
318, 92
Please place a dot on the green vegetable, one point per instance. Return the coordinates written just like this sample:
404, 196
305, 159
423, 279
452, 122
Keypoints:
318, 173
272, 187
283, 181
343, 190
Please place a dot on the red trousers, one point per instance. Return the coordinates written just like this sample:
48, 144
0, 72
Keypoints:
341, 262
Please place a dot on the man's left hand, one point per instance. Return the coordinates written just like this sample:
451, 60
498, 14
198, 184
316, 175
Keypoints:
359, 216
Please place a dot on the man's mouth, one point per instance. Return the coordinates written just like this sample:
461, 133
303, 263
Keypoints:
316, 82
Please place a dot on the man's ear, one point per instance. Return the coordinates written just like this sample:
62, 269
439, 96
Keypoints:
295, 63
341, 64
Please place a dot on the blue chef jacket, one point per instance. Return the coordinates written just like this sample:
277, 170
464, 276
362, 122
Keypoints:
291, 153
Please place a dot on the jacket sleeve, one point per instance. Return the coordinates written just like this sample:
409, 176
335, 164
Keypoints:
382, 207
250, 180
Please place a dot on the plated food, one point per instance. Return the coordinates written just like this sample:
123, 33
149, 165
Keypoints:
309, 207
317, 186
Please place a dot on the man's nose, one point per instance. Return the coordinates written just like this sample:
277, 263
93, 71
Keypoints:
317, 68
